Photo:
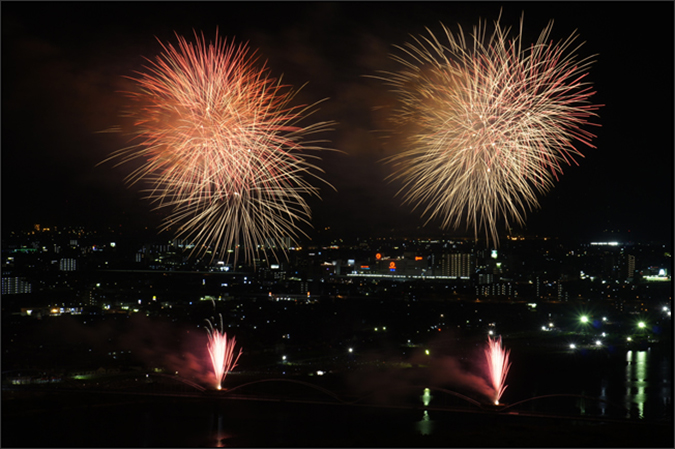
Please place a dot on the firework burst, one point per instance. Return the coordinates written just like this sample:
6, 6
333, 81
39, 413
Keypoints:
488, 124
221, 351
221, 148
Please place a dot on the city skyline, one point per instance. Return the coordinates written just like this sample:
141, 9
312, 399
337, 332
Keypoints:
62, 89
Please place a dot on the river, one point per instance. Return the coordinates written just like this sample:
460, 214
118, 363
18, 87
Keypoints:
633, 384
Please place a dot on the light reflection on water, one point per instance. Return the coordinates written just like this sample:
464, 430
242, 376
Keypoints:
636, 381
665, 371
218, 435
425, 426
603, 397
647, 390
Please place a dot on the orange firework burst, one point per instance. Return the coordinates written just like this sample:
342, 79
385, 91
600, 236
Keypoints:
221, 351
488, 124
221, 148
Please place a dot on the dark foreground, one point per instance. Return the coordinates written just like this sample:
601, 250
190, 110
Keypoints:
89, 419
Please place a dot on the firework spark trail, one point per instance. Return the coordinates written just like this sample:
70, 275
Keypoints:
221, 351
488, 124
498, 366
221, 148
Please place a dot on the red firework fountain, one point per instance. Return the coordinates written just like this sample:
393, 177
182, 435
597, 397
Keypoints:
498, 366
221, 351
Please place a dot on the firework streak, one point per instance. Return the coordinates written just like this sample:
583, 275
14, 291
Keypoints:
221, 351
498, 366
487, 124
220, 147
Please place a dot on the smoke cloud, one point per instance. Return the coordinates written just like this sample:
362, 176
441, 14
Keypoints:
390, 379
139, 340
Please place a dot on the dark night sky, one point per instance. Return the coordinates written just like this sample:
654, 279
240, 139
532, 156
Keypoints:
63, 66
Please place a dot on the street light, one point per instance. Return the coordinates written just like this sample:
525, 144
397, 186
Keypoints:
584, 323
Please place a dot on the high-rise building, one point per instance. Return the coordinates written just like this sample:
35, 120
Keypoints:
67, 264
457, 265
630, 266
486, 278
495, 289
15, 285
562, 294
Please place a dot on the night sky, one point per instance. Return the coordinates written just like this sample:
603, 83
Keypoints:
63, 67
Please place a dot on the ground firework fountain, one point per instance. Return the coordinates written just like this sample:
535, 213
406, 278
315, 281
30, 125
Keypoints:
221, 351
498, 366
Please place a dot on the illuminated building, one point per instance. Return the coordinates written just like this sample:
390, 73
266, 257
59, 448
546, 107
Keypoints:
68, 264
563, 295
15, 285
485, 278
458, 265
495, 289
630, 266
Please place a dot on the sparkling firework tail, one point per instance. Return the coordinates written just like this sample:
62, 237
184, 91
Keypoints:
498, 366
221, 351
489, 124
221, 148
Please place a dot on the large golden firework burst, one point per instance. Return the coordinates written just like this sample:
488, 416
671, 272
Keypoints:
487, 123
